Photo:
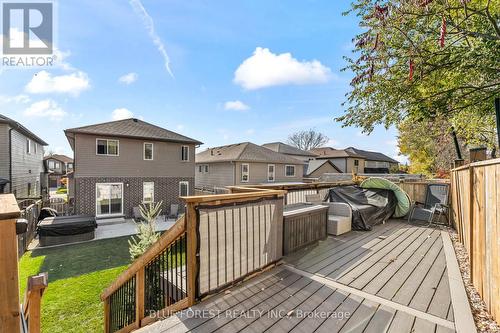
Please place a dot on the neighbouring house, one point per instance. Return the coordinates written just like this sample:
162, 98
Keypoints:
244, 164
59, 166
345, 161
356, 160
291, 151
21, 160
316, 168
119, 165
375, 162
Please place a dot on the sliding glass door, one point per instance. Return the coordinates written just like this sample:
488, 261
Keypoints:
109, 199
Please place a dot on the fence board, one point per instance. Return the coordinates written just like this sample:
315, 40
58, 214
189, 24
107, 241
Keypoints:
476, 215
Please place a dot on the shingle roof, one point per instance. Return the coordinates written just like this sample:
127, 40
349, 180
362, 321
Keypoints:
283, 148
59, 157
314, 165
18, 127
372, 155
244, 152
133, 128
328, 152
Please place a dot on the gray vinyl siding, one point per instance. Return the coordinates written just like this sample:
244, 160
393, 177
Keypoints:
130, 163
4, 153
325, 168
219, 175
258, 173
26, 167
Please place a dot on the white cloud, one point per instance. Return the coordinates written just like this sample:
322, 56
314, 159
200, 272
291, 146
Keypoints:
250, 131
128, 78
43, 82
236, 105
150, 26
121, 113
45, 108
266, 69
60, 59
180, 127
18, 99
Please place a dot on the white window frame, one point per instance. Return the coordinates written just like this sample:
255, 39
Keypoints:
274, 173
95, 198
57, 165
152, 151
35, 146
53, 163
107, 144
28, 146
143, 193
200, 168
183, 182
247, 173
182, 154
206, 168
294, 171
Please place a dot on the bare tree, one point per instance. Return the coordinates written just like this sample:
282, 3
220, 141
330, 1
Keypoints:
307, 140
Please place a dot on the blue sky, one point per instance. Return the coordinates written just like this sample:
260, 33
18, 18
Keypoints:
218, 71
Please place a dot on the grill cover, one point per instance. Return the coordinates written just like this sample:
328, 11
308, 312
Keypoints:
369, 206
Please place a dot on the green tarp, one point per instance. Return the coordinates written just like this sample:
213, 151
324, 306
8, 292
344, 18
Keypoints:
404, 204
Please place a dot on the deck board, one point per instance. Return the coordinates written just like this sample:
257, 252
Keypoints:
398, 262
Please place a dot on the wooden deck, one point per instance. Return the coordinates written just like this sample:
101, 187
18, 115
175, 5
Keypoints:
391, 279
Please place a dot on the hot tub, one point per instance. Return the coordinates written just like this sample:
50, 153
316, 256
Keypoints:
303, 224
66, 229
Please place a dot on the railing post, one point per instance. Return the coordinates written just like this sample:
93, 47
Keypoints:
139, 297
9, 279
191, 259
36, 287
106, 315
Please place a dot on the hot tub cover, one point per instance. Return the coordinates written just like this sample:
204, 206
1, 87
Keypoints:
66, 225
403, 201
369, 206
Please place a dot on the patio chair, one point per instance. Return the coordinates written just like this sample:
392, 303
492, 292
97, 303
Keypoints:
174, 211
339, 218
136, 214
314, 199
435, 205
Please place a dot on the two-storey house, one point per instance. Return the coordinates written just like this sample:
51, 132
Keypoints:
59, 166
21, 160
244, 164
120, 164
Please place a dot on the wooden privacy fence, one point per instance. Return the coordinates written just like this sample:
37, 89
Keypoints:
475, 191
220, 240
30, 214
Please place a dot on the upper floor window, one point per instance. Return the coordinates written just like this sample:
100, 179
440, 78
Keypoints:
28, 146
70, 165
290, 170
57, 165
148, 151
245, 173
206, 168
52, 164
185, 153
35, 147
356, 162
107, 147
183, 189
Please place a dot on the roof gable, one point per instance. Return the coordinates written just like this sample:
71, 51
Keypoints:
314, 165
132, 128
372, 155
59, 157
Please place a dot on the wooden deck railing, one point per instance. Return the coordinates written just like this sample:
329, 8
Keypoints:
475, 192
32, 301
182, 266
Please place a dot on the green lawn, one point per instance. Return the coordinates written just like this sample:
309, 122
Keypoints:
77, 276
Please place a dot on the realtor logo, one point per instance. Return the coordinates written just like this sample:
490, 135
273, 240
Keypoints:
27, 28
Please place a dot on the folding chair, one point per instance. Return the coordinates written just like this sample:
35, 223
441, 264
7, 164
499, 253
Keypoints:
435, 205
